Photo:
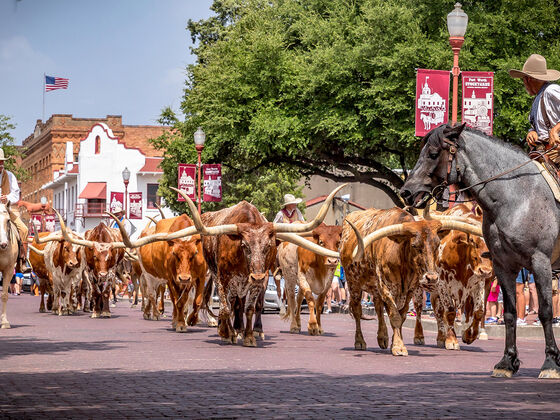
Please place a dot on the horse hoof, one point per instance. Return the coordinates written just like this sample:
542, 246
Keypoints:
502, 373
147, 317
399, 351
42, 310
106, 314
452, 346
419, 341
259, 335
213, 323
6, 325
95, 315
181, 328
295, 330
549, 374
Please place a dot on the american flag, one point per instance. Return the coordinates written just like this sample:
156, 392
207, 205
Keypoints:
52, 83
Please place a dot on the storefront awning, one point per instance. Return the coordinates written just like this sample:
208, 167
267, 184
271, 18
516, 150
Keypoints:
95, 190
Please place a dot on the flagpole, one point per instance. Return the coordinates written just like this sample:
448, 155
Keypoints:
44, 79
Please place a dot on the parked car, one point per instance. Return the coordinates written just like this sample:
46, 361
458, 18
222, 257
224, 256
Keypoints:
271, 296
28, 279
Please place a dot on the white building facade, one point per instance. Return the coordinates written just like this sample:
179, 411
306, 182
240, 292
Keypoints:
81, 192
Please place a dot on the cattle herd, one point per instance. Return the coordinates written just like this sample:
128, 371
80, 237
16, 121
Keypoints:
394, 255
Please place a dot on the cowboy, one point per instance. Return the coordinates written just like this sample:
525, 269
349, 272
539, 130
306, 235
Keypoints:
289, 213
10, 193
119, 212
545, 111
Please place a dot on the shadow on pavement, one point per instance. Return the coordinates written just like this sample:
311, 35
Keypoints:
272, 393
29, 346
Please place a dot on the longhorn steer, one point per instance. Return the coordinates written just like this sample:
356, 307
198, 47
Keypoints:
37, 261
397, 254
312, 273
464, 276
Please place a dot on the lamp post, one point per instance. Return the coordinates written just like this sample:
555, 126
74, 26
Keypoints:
199, 139
457, 21
43, 206
125, 178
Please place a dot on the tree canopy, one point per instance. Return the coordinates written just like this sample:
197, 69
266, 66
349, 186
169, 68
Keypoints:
327, 87
10, 150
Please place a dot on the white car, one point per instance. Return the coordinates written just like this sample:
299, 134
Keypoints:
271, 300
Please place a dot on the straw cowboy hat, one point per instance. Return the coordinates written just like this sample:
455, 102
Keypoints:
535, 67
290, 199
2, 155
118, 209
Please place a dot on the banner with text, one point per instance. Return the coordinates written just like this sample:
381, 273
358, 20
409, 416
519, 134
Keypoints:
432, 100
478, 100
50, 221
135, 205
186, 174
117, 201
37, 220
212, 182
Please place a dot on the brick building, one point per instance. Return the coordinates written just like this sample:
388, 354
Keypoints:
45, 149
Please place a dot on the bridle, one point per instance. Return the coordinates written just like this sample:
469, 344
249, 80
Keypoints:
438, 190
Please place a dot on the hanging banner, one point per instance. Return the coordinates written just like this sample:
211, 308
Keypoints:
212, 182
186, 174
37, 220
116, 203
135, 205
432, 100
50, 221
478, 100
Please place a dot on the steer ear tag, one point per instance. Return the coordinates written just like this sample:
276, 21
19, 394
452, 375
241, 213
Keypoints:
452, 150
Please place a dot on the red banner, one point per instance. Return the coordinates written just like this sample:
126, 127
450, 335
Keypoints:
432, 100
187, 175
50, 222
135, 205
117, 201
37, 219
212, 182
478, 100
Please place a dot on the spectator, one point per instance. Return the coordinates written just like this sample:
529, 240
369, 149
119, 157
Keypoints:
522, 277
16, 284
493, 303
531, 298
289, 212
555, 298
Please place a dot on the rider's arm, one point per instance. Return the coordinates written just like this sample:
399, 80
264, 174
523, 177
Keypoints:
13, 196
551, 101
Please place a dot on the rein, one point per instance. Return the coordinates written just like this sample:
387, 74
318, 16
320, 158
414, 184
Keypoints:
453, 153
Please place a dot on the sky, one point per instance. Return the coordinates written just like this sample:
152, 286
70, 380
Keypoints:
122, 57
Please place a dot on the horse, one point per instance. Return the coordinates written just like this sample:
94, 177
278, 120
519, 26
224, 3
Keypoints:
521, 223
8, 256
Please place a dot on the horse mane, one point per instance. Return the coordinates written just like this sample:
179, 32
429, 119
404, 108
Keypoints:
496, 140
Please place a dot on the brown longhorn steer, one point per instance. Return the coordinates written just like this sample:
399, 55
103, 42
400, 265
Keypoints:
312, 273
179, 263
37, 261
464, 276
387, 253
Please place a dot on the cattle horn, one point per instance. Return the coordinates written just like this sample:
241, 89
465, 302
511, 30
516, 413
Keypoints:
126, 238
130, 255
461, 226
68, 237
306, 227
441, 217
50, 238
197, 220
152, 219
307, 244
35, 250
380, 234
361, 249
160, 210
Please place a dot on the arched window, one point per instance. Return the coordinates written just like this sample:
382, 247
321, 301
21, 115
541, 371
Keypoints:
97, 145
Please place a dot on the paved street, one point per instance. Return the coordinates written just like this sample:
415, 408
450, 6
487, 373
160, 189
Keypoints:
126, 367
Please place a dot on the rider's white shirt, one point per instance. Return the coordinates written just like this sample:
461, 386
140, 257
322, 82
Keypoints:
552, 106
13, 196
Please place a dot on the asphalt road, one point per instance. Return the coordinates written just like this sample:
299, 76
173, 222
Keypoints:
126, 367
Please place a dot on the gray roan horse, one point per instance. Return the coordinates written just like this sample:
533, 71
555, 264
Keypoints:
521, 220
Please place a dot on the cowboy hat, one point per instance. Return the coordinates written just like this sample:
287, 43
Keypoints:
117, 209
2, 155
290, 199
535, 67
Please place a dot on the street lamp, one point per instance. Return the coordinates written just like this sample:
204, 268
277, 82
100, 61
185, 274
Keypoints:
43, 206
199, 139
125, 178
457, 21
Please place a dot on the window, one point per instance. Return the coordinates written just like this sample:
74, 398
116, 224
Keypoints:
97, 145
96, 206
152, 196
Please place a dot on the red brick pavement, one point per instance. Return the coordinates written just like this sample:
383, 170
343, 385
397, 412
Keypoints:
126, 367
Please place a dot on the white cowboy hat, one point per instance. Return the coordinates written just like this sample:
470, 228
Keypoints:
535, 67
2, 155
117, 209
290, 199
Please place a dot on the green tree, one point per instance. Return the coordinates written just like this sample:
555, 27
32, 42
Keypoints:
11, 151
328, 86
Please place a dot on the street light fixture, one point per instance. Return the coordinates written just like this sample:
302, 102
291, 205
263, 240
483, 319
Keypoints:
126, 179
43, 206
199, 139
457, 21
